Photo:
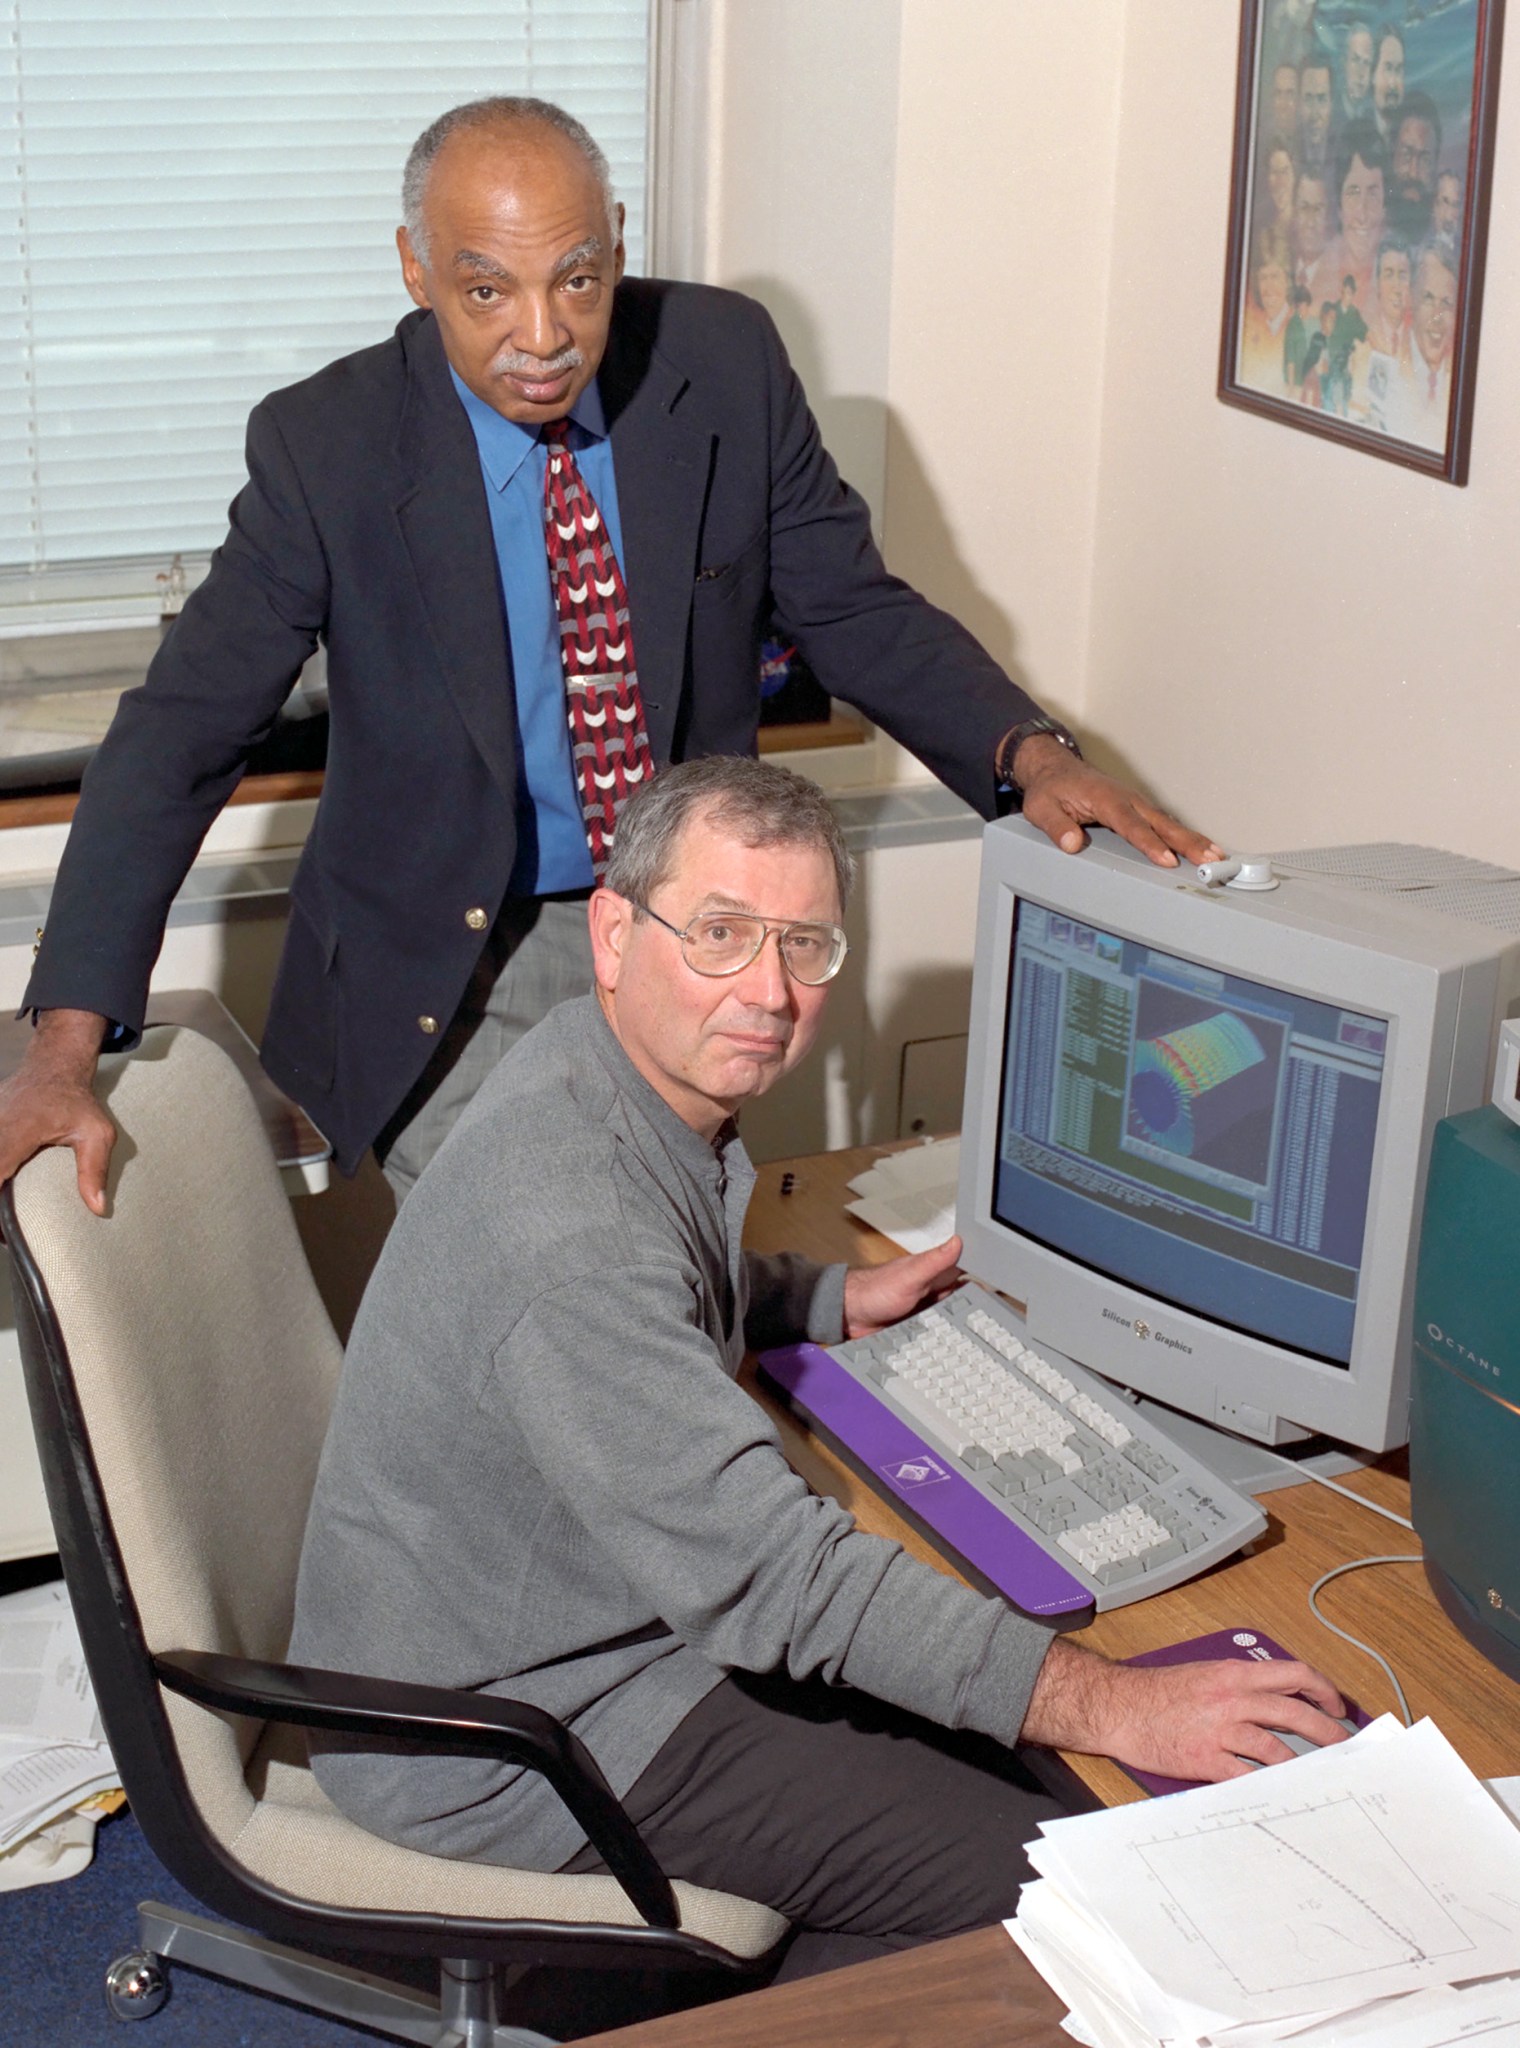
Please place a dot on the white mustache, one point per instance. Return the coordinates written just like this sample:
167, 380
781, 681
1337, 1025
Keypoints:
542, 369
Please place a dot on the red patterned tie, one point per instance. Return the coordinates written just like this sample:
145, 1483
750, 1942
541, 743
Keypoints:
606, 713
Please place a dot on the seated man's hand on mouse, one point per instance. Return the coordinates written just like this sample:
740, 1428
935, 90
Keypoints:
1300, 1745
1210, 1720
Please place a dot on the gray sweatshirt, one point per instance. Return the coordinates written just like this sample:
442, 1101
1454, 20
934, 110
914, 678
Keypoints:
542, 1480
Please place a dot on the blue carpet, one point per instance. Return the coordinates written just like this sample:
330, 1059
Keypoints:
58, 1939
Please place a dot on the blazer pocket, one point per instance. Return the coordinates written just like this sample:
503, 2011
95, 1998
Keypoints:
303, 1009
717, 581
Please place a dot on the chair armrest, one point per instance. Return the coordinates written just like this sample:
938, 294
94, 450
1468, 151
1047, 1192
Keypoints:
436, 1719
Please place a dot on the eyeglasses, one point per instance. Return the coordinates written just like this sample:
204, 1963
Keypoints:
720, 942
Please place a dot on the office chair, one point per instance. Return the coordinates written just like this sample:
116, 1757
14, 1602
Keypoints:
181, 1368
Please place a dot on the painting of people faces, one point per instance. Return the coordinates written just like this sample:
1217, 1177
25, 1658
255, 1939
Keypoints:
1363, 137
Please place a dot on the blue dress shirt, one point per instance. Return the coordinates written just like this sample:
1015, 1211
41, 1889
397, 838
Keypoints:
551, 831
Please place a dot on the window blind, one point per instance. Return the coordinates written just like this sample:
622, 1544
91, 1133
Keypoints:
203, 196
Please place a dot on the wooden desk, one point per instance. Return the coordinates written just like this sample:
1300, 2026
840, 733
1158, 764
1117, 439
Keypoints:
973, 1991
1309, 1530
977, 1988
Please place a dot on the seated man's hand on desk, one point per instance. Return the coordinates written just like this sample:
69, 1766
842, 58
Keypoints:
876, 1296
1180, 1720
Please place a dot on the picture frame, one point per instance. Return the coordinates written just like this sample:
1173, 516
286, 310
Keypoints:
1359, 208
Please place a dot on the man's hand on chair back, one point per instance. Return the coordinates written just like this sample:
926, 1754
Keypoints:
49, 1101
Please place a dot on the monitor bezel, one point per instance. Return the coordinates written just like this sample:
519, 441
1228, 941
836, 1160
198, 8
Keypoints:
1356, 952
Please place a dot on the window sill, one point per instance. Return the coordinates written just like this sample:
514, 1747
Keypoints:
58, 809
842, 729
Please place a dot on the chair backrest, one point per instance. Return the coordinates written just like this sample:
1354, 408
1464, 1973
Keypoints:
182, 1368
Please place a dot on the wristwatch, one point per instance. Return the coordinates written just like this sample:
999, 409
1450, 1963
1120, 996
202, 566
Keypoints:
1008, 746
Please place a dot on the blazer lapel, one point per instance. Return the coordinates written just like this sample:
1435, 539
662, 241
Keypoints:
663, 452
446, 527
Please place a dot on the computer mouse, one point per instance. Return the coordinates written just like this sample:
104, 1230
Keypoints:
1300, 1744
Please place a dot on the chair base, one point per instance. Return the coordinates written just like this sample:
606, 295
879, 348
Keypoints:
467, 2013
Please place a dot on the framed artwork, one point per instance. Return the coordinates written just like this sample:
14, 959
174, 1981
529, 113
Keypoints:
1358, 221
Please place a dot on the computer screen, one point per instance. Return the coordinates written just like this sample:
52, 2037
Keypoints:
1197, 1124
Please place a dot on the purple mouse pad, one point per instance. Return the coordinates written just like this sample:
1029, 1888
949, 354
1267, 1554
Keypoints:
1242, 1643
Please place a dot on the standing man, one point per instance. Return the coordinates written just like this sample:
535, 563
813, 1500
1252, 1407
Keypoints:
1388, 329
1361, 187
1416, 153
540, 532
1264, 330
1316, 110
1356, 73
1446, 212
1347, 332
765, 1686
1420, 402
1296, 343
1313, 260
1379, 364
1388, 78
1285, 104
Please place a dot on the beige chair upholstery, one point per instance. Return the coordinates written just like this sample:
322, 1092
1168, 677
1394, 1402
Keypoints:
205, 1367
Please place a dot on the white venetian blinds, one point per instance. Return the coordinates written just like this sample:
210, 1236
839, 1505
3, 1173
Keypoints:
199, 203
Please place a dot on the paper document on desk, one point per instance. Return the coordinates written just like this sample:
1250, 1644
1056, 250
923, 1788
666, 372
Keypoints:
1336, 1901
910, 1196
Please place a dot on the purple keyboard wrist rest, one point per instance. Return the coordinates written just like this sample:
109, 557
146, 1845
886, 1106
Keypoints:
896, 1458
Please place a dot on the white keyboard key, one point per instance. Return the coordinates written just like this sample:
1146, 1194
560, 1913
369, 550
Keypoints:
928, 1414
1060, 1453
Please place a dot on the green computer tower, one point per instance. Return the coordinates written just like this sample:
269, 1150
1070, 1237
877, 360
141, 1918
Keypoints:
1464, 1445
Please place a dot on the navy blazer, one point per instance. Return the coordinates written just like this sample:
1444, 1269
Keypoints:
364, 523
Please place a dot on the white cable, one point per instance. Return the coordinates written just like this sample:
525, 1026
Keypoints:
1302, 1472
1360, 1499
1346, 1636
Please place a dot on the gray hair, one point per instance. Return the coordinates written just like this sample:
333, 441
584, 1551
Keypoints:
501, 111
760, 803
1440, 248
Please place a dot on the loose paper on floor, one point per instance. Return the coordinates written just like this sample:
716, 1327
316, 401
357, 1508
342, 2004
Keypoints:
52, 1750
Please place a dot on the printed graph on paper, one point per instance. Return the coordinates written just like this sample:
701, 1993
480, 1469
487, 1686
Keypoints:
1343, 1899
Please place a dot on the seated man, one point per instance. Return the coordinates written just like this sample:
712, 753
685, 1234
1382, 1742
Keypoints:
542, 1480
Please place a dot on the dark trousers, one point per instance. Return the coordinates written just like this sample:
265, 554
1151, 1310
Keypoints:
870, 1829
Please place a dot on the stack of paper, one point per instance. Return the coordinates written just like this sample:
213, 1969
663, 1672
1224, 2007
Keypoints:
52, 1752
1363, 1896
910, 1196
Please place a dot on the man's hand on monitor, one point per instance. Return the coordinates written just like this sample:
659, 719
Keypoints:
875, 1296
1062, 794
49, 1101
1209, 1721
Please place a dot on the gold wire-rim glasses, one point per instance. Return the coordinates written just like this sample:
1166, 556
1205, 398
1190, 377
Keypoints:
794, 935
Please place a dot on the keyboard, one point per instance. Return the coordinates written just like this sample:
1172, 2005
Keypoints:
1036, 1478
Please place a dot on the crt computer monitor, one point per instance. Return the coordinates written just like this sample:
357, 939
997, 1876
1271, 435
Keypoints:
1197, 1124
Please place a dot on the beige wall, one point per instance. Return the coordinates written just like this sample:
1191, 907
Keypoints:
864, 200
1306, 645
1005, 184
801, 198
1290, 642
